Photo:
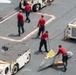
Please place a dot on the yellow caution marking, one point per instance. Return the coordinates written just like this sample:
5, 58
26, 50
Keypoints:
50, 53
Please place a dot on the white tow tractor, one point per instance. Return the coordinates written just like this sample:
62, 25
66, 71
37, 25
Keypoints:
13, 57
36, 4
70, 31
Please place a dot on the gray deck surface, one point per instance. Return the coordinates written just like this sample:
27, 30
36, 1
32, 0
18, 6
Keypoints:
65, 12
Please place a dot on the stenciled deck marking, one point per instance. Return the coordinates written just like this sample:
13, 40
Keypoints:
33, 32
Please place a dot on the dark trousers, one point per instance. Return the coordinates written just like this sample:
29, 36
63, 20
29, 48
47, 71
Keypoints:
43, 42
41, 29
20, 27
27, 15
64, 59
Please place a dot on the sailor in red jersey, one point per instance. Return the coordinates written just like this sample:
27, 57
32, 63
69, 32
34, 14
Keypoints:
41, 25
43, 41
20, 18
62, 51
28, 9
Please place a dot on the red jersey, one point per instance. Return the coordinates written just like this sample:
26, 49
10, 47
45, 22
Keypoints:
28, 7
20, 17
44, 36
41, 22
62, 51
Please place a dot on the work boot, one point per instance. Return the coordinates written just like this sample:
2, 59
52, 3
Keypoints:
47, 51
29, 21
18, 34
23, 32
64, 69
40, 50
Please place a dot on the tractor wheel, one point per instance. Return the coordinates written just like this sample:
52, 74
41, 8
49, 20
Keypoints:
28, 58
36, 7
15, 68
